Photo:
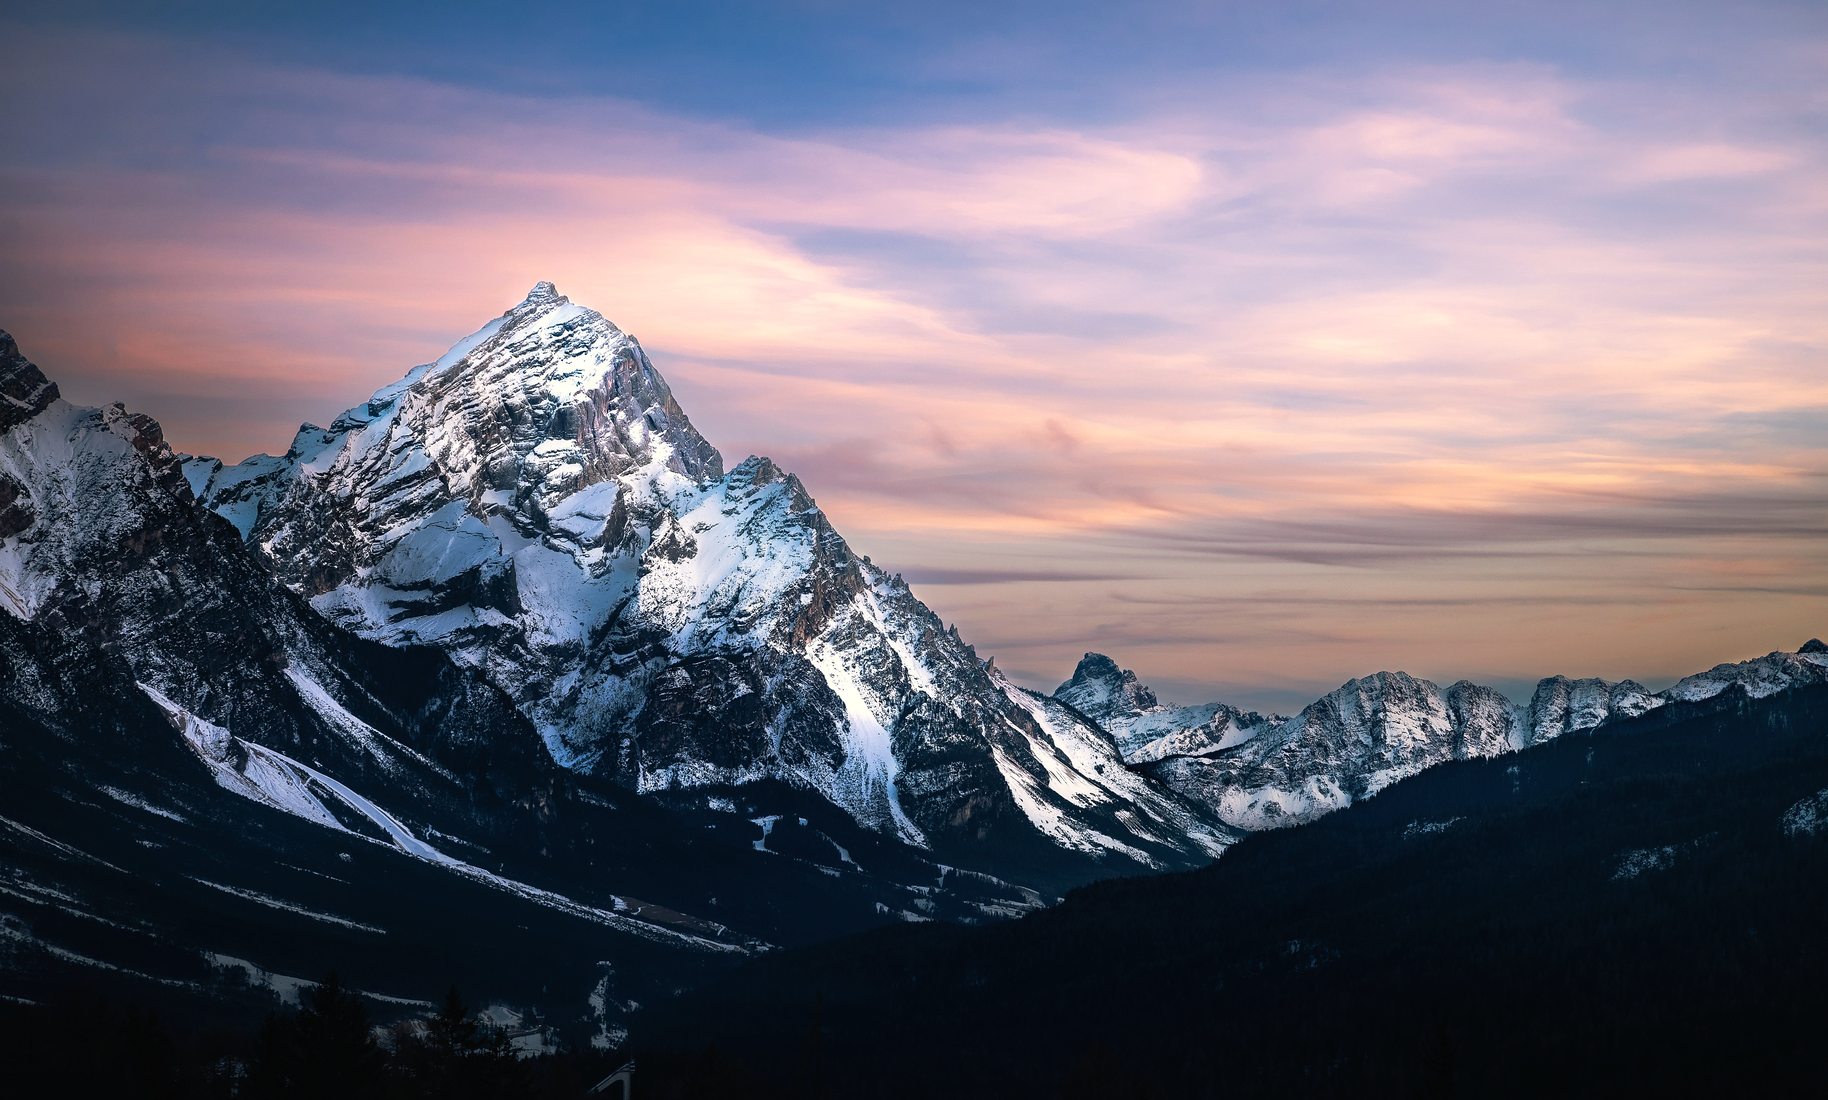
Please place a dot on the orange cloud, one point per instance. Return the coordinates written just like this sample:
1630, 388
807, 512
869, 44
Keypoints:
1275, 399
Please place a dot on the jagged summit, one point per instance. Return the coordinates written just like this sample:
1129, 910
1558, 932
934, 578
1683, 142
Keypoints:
77, 486
24, 390
1561, 705
1144, 728
1101, 689
545, 401
1814, 645
1351, 743
1758, 677
544, 292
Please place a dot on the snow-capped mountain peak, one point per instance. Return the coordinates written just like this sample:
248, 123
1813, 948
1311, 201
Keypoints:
1145, 728
546, 400
1100, 689
1561, 705
1758, 677
544, 291
1377, 729
537, 504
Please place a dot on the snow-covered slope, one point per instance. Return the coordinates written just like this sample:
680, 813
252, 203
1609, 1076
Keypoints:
537, 505
116, 582
164, 699
1561, 705
1759, 677
1084, 768
1350, 744
1145, 728
1373, 731
106, 552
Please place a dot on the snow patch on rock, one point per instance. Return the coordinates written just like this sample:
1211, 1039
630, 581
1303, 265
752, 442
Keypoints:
1808, 817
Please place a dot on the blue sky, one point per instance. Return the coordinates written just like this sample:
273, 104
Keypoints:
813, 64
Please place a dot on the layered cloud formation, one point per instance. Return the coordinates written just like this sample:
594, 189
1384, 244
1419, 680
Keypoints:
1256, 376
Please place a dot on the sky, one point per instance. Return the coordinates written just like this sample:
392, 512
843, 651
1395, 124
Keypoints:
1259, 346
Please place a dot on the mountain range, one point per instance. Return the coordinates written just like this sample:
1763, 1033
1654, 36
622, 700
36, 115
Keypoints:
507, 646
1633, 910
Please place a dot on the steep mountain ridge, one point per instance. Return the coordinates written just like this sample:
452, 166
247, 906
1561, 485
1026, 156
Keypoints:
537, 505
180, 734
1145, 728
1349, 744
118, 584
1259, 773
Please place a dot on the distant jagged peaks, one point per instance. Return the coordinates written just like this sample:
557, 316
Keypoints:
1758, 677
1561, 705
1352, 742
1144, 728
1375, 730
24, 390
1101, 689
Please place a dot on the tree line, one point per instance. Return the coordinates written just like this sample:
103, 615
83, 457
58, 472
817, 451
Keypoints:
328, 1047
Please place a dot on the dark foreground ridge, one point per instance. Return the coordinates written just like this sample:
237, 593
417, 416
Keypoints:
1631, 911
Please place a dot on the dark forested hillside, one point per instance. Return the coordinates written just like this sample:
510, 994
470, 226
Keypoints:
1639, 907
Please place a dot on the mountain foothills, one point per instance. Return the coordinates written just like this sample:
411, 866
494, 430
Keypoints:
506, 654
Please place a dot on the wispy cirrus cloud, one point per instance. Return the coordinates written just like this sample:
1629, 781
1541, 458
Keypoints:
1410, 338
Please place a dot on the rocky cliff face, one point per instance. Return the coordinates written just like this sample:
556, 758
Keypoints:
536, 504
1102, 691
24, 390
107, 561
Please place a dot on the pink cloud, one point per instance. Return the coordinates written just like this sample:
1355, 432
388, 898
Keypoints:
1386, 340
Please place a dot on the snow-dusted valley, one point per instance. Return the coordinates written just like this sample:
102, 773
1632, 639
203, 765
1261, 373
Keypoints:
506, 653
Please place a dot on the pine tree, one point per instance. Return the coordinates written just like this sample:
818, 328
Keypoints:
324, 1051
